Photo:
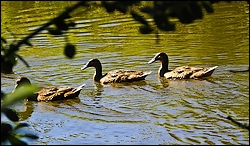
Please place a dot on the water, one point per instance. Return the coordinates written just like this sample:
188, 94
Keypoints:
154, 111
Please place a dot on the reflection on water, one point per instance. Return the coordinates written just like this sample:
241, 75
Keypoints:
154, 111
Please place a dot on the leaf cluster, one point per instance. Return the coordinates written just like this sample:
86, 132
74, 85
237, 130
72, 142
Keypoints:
161, 12
9, 132
9, 56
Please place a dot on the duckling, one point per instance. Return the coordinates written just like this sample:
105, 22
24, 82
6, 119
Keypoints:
51, 93
183, 72
115, 76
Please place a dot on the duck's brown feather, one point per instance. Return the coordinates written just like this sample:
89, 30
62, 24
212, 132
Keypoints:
118, 76
53, 93
115, 76
183, 72
187, 72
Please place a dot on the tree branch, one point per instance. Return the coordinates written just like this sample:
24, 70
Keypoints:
16, 46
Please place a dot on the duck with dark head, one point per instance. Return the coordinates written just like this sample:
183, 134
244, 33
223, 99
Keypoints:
115, 76
51, 93
182, 72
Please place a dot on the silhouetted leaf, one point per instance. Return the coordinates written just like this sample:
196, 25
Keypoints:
66, 15
148, 10
5, 130
55, 31
139, 18
212, 2
108, 6
128, 3
162, 23
28, 43
69, 50
196, 9
10, 114
21, 125
208, 7
6, 127
145, 29
7, 62
71, 24
83, 3
186, 16
6, 65
3, 40
172, 13
60, 24
13, 47
15, 141
120, 7
167, 26
18, 94
12, 58
2, 94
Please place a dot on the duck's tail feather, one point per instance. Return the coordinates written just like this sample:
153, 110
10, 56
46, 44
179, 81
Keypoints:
145, 74
210, 71
79, 88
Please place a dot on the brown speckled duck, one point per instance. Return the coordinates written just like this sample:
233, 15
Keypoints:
51, 93
183, 72
115, 76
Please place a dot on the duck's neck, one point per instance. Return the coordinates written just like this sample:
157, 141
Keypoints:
98, 72
164, 68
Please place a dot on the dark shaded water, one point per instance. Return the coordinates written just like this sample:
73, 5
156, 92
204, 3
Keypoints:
154, 111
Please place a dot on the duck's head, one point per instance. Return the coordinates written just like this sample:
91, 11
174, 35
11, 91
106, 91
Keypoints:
91, 63
162, 57
22, 81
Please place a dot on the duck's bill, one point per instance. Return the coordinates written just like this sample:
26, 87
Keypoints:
84, 67
14, 88
151, 61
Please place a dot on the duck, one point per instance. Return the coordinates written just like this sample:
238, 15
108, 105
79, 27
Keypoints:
182, 72
115, 76
50, 93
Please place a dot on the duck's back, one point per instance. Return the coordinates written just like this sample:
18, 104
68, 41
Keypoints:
118, 76
187, 72
56, 93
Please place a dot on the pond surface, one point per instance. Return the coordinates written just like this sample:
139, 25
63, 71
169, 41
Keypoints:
154, 111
